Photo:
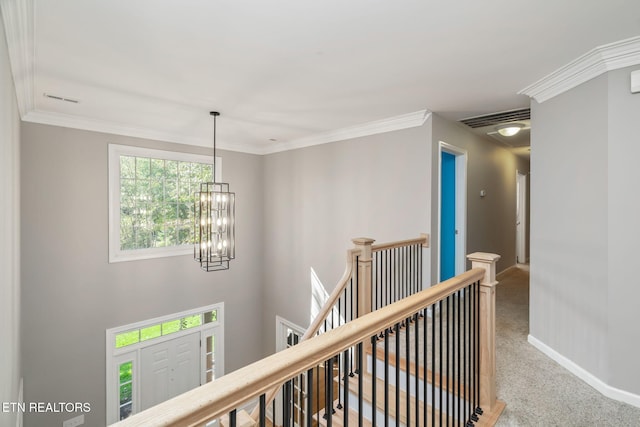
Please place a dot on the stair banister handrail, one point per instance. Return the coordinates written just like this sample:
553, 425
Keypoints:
363, 246
422, 240
316, 324
216, 399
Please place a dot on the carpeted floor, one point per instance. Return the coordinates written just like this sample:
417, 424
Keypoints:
537, 390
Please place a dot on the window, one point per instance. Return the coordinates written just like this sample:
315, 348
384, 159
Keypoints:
151, 196
149, 332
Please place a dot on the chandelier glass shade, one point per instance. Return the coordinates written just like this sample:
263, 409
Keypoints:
214, 224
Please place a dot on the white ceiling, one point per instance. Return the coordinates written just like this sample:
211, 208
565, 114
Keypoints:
287, 70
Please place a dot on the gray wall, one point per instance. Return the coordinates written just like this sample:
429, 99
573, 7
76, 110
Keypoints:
318, 198
491, 220
624, 231
71, 294
10, 369
584, 228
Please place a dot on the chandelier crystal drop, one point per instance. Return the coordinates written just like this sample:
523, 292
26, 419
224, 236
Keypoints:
214, 225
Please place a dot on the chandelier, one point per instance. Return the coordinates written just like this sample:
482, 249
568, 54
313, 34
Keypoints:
214, 220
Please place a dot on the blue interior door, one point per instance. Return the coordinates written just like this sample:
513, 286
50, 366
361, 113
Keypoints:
448, 216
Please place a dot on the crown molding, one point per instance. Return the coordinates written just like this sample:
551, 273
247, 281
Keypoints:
609, 57
85, 123
404, 121
18, 17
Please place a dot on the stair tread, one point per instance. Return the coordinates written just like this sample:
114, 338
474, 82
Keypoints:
337, 420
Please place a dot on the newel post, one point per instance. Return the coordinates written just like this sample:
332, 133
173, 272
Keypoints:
363, 246
488, 284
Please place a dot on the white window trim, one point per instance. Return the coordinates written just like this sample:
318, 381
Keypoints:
115, 151
117, 356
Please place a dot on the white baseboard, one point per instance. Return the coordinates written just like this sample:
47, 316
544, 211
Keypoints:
506, 270
589, 378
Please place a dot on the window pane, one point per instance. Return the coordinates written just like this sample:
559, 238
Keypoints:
127, 338
125, 411
157, 169
171, 169
151, 332
125, 372
211, 316
127, 167
191, 321
143, 168
125, 393
170, 327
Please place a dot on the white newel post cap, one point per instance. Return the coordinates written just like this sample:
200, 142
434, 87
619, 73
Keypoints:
488, 262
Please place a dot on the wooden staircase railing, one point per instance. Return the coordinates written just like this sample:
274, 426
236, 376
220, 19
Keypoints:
359, 269
221, 399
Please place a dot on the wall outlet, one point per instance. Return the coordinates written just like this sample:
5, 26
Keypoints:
73, 422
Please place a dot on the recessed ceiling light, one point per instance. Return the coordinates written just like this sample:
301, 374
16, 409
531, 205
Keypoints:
509, 129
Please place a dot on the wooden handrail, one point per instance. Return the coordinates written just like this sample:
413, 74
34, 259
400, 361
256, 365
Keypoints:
333, 298
216, 399
423, 240
319, 319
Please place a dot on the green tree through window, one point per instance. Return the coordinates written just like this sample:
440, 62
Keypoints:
156, 201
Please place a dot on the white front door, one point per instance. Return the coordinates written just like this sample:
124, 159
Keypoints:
168, 369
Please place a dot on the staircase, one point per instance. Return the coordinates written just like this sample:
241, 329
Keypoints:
383, 351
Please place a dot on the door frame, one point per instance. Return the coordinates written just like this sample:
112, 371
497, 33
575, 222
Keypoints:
461, 157
521, 225
131, 353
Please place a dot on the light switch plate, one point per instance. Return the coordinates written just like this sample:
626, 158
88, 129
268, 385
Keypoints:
635, 81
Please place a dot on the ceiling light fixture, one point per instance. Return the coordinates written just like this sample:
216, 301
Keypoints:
509, 129
214, 220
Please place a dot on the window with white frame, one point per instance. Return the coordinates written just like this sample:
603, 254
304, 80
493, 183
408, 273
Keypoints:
151, 196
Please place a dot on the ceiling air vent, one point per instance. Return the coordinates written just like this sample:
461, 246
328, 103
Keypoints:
498, 118
60, 98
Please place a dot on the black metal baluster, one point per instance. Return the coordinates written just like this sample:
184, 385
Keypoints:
374, 379
263, 410
317, 369
467, 368
416, 376
286, 421
360, 385
478, 338
425, 362
309, 404
452, 357
448, 376
407, 355
440, 406
339, 405
232, 418
397, 352
345, 361
386, 377
459, 378
433, 364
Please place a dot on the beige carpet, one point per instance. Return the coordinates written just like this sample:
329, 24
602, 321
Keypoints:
537, 390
